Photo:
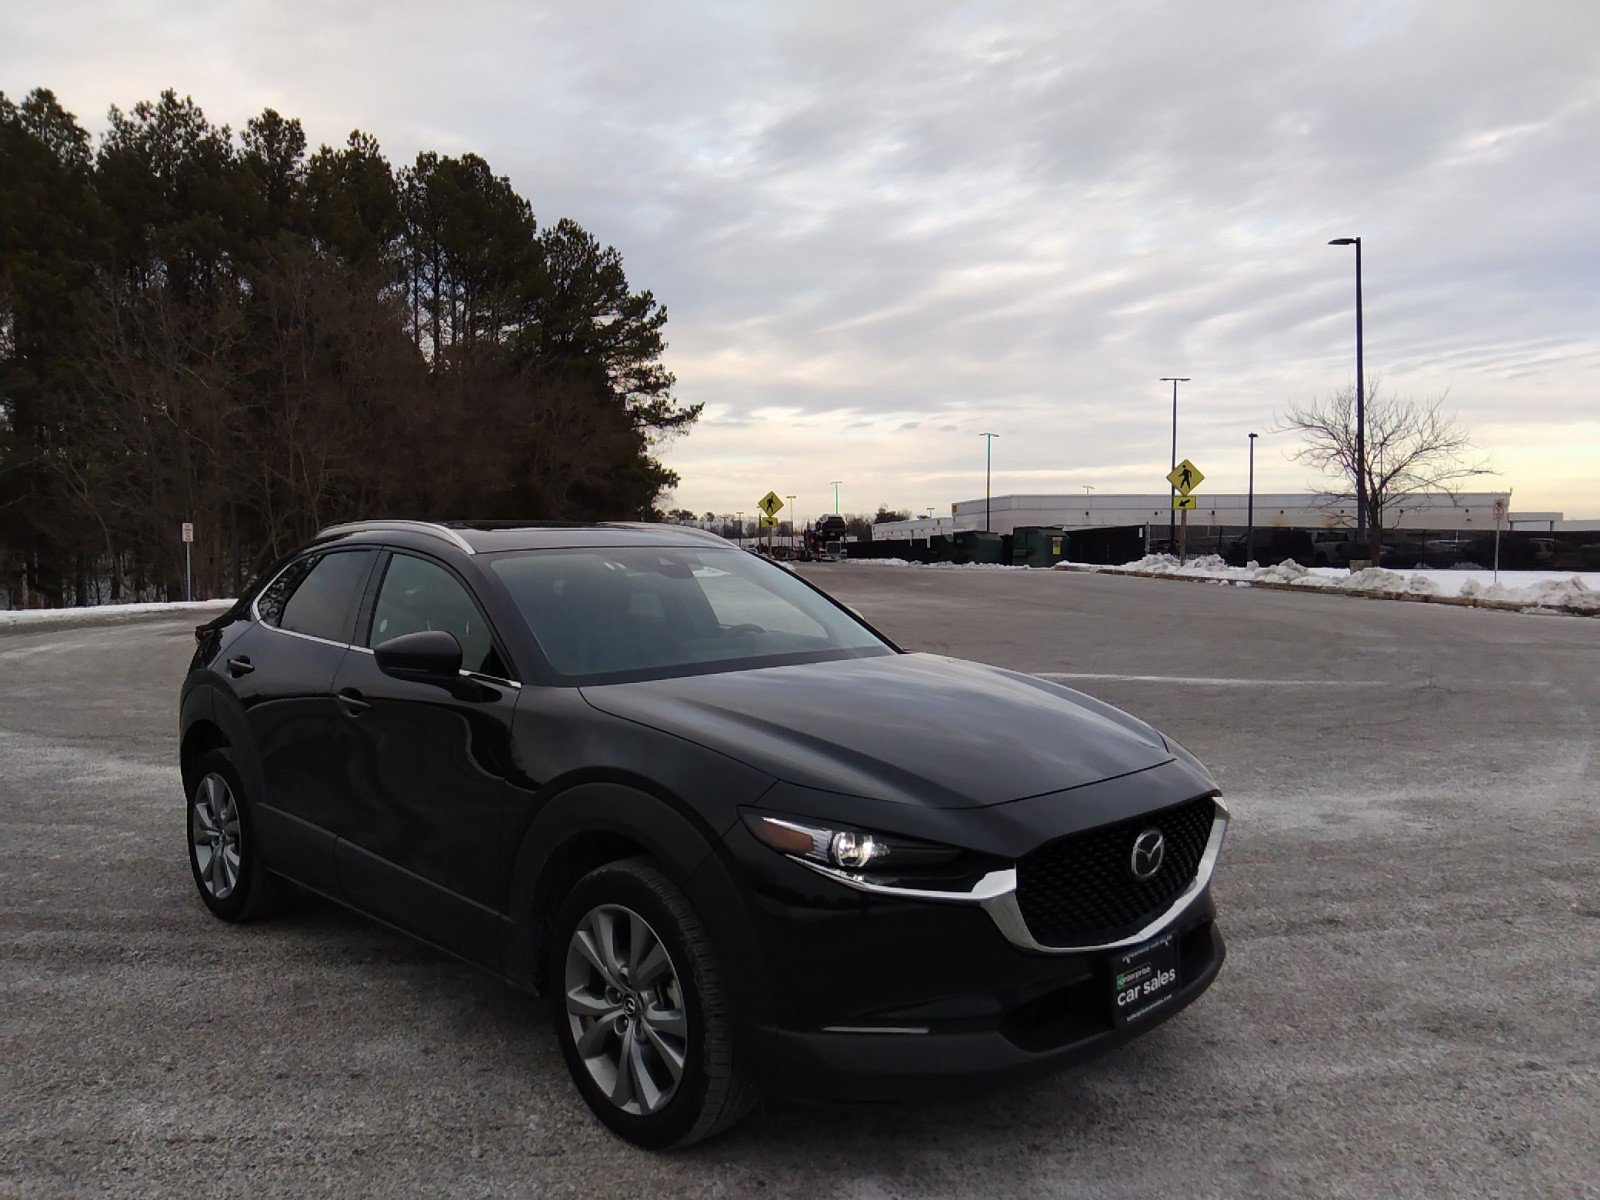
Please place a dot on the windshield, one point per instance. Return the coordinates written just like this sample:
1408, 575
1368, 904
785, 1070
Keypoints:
618, 613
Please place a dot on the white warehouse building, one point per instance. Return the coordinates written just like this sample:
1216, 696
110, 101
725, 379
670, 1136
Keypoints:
1465, 511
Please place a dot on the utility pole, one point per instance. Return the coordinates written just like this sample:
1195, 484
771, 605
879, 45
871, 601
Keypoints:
1250, 509
836, 483
1362, 546
988, 472
1172, 528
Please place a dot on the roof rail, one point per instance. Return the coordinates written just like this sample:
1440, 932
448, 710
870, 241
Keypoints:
432, 528
659, 526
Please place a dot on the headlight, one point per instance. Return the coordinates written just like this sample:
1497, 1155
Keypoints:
886, 864
849, 849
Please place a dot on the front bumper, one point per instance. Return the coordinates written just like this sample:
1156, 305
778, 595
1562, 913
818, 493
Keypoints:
1057, 1029
880, 997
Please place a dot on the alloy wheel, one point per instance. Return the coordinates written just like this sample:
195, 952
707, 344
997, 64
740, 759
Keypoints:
214, 836
625, 1009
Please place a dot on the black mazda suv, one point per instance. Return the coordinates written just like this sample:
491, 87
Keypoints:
740, 840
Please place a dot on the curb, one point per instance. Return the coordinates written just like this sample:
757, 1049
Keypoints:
203, 609
1412, 597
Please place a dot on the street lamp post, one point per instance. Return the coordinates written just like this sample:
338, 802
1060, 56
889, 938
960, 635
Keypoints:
836, 483
1172, 527
1250, 509
741, 531
793, 544
988, 465
1361, 409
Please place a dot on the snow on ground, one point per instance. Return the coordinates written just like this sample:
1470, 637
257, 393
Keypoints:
905, 562
1578, 592
10, 618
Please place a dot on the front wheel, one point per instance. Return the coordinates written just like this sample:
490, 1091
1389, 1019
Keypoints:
640, 1009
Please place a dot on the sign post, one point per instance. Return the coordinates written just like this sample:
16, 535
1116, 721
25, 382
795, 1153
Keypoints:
770, 505
188, 572
1184, 478
1499, 515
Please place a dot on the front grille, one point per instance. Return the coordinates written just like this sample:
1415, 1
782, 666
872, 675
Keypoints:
1080, 889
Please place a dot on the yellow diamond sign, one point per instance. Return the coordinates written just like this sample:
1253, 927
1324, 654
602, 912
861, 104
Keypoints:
770, 504
1185, 477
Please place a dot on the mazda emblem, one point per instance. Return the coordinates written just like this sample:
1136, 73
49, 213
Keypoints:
1149, 848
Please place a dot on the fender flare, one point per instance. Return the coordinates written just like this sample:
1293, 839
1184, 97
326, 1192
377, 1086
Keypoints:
686, 849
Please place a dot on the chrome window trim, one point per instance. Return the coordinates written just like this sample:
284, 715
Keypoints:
255, 612
311, 637
996, 894
432, 528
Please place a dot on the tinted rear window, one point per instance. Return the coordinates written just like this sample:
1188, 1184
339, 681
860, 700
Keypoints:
317, 596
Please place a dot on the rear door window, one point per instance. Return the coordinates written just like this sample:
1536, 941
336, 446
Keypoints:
317, 596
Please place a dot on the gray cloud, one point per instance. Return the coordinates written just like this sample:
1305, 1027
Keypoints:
883, 228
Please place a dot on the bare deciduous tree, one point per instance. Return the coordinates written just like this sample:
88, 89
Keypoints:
1412, 446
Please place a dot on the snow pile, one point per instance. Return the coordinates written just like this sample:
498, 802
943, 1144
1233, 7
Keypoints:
1382, 580
1206, 565
1288, 571
1572, 594
971, 566
1529, 590
11, 618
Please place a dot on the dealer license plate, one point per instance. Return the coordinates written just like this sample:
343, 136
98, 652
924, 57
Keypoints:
1144, 980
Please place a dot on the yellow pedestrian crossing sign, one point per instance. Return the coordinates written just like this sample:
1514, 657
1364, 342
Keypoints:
1185, 477
1186, 502
768, 522
770, 504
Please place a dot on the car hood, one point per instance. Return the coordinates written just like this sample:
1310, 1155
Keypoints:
915, 728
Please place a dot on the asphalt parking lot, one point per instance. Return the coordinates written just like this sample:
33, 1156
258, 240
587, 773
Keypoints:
1409, 890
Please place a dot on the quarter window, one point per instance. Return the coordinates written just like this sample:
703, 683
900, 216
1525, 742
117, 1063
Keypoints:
317, 595
419, 595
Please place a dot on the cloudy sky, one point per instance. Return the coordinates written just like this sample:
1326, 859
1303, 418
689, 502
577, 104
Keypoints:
884, 228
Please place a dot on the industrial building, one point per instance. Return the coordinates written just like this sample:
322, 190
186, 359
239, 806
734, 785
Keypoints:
1467, 512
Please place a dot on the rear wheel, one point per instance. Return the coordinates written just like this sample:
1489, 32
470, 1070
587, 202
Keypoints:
640, 1011
222, 853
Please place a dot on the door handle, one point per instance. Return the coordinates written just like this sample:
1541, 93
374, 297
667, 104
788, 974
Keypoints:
239, 665
353, 703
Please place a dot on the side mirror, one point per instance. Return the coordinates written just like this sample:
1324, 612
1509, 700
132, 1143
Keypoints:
432, 656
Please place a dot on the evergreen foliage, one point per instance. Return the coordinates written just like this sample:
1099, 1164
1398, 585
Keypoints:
226, 329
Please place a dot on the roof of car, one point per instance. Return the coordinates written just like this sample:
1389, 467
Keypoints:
488, 537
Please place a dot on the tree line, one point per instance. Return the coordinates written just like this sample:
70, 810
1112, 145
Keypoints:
234, 330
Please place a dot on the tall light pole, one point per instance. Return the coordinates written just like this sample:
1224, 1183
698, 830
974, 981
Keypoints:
836, 483
792, 542
741, 530
1361, 409
988, 472
1172, 527
1250, 509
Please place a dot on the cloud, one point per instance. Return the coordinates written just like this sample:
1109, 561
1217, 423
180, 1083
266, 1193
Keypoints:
883, 229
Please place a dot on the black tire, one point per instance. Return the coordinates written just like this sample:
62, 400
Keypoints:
254, 892
711, 1094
